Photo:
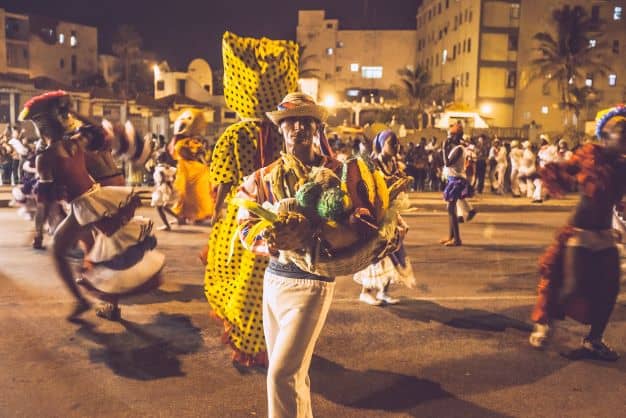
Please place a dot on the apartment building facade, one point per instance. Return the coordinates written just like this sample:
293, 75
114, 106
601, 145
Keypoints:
353, 64
484, 48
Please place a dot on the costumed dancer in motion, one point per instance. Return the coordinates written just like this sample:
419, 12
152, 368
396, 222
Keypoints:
257, 74
457, 189
530, 181
122, 258
164, 195
376, 279
192, 184
581, 270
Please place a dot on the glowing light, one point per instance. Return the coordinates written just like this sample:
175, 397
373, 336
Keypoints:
330, 100
156, 70
544, 110
486, 109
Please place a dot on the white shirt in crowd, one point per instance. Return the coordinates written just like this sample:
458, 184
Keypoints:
516, 156
547, 154
528, 163
457, 169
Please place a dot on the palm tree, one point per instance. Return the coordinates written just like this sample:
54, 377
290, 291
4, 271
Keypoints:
567, 58
304, 61
416, 82
127, 46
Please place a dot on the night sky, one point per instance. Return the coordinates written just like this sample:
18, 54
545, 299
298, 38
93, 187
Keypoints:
180, 30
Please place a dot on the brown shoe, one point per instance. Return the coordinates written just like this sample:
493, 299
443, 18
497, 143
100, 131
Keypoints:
453, 243
444, 241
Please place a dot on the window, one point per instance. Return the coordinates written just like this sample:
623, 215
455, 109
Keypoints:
354, 67
439, 8
436, 59
595, 13
181, 86
466, 79
544, 110
353, 93
61, 38
460, 18
592, 43
73, 39
444, 56
469, 18
589, 80
464, 44
327, 76
372, 72
230, 115
440, 34
515, 9
329, 26
616, 46
160, 85
513, 40
511, 79
338, 69
617, 13
466, 14
330, 51
447, 4
74, 65
430, 14
545, 90
61, 63
469, 44
454, 52
456, 22
612, 80
339, 44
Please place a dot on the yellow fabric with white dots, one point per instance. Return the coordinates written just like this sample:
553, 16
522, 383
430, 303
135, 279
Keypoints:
258, 73
235, 289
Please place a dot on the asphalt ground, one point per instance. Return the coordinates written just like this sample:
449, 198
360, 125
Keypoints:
454, 347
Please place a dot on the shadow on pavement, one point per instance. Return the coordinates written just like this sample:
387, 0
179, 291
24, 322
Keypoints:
145, 351
427, 311
388, 391
186, 293
506, 248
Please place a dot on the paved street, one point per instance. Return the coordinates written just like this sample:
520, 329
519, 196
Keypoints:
455, 347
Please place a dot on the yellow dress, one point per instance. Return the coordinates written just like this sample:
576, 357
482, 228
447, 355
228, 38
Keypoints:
235, 289
258, 73
192, 183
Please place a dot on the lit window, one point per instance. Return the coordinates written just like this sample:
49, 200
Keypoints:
444, 56
73, 39
612, 80
617, 13
372, 72
354, 67
544, 110
592, 43
339, 44
515, 11
589, 80
330, 51
353, 93
61, 38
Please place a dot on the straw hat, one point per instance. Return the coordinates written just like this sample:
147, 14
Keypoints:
514, 143
298, 105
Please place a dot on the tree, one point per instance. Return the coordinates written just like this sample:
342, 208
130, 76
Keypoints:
566, 58
304, 62
127, 46
416, 83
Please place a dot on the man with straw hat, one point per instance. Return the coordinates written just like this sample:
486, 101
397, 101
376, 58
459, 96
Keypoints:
295, 302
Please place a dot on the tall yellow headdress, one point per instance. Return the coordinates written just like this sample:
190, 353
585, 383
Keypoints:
258, 73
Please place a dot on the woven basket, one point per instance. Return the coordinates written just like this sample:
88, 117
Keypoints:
347, 262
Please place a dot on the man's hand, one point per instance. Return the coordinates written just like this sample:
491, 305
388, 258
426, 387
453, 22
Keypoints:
291, 233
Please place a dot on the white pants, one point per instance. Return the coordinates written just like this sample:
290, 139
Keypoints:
500, 173
534, 189
294, 312
515, 183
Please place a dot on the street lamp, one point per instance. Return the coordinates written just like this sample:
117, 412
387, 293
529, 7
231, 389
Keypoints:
486, 109
330, 100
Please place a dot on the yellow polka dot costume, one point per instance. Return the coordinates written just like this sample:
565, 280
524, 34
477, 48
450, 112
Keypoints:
258, 73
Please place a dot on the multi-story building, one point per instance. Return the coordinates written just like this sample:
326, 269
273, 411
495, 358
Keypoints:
35, 47
353, 63
532, 100
485, 48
